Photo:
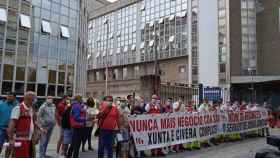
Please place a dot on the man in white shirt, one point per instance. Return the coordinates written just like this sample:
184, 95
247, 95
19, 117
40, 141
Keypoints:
21, 127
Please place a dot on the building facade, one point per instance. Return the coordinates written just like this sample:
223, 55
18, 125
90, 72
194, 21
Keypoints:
248, 55
129, 36
39, 46
227, 43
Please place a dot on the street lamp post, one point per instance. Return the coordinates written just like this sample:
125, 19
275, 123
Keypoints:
156, 65
106, 22
252, 84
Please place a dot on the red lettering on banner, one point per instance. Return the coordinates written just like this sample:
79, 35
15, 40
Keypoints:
168, 123
143, 125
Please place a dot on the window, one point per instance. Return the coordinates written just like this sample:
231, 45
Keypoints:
136, 71
19, 88
133, 47
61, 77
41, 90
125, 49
97, 76
182, 69
52, 76
142, 45
30, 87
60, 91
161, 20
6, 87
51, 90
171, 39
97, 54
3, 15
124, 73
25, 21
46, 27
222, 68
171, 17
8, 72
118, 50
111, 52
31, 74
64, 32
151, 43
20, 73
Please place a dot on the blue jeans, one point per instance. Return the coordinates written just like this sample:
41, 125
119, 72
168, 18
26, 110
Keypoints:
3, 137
44, 141
105, 142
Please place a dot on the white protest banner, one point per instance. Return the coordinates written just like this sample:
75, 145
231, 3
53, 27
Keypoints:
162, 130
239, 122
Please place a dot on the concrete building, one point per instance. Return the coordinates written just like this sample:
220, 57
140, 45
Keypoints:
40, 46
248, 53
227, 43
130, 36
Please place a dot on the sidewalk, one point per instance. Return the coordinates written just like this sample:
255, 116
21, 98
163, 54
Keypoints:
55, 136
51, 151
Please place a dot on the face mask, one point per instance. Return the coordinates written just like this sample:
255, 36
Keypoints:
49, 100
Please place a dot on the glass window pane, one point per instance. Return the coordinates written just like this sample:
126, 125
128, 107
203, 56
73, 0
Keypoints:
41, 91
6, 87
64, 32
52, 76
20, 73
61, 77
8, 72
30, 87
19, 88
31, 74
3, 15
60, 91
25, 21
46, 27
51, 90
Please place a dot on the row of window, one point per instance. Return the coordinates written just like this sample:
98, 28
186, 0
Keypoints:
26, 23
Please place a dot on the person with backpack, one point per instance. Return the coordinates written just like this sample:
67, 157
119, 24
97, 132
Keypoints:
77, 122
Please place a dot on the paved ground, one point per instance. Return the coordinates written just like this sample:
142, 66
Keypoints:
243, 149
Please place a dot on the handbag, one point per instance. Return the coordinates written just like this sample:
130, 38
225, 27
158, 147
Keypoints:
97, 132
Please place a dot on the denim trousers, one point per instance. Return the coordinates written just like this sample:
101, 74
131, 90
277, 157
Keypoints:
44, 141
105, 142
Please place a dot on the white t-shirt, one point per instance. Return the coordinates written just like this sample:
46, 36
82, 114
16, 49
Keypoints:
176, 106
16, 113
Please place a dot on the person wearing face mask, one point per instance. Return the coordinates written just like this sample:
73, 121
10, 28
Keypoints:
6, 107
46, 122
21, 127
108, 123
139, 107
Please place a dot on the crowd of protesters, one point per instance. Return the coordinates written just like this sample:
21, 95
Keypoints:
23, 126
